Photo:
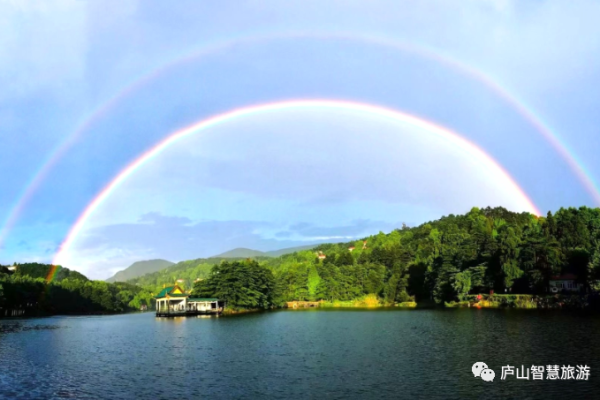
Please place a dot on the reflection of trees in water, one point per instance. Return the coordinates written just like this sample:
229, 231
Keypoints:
18, 327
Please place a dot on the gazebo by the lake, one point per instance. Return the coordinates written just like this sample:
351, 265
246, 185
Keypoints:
173, 301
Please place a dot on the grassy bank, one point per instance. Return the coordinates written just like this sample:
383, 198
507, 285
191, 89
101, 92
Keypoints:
238, 311
367, 301
527, 301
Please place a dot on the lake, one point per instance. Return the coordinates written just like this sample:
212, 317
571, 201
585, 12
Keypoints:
407, 354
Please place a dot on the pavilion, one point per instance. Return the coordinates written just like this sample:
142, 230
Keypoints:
174, 301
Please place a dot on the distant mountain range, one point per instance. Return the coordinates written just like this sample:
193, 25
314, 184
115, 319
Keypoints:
242, 252
140, 268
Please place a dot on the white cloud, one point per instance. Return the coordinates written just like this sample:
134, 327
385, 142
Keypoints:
319, 174
101, 251
62, 48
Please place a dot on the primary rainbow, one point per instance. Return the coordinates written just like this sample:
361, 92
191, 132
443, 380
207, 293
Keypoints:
519, 106
442, 132
52, 273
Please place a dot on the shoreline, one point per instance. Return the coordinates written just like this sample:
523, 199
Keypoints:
529, 301
45, 315
589, 302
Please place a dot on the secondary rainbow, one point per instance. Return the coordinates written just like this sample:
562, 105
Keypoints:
443, 133
98, 113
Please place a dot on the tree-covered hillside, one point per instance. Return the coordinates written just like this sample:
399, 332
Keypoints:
28, 290
241, 284
486, 249
444, 260
42, 271
186, 271
242, 252
489, 249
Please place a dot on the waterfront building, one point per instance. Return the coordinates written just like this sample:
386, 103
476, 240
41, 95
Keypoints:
174, 301
565, 282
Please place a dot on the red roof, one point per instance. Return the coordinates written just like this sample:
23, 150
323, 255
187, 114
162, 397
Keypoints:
564, 277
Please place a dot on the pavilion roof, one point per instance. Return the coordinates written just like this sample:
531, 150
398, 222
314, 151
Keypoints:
171, 291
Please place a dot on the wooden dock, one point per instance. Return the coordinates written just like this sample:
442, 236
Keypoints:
188, 313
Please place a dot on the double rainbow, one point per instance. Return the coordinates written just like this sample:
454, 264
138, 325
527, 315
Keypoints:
427, 53
502, 177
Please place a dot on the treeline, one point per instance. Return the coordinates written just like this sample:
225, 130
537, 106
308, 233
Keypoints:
249, 285
242, 284
342, 276
186, 271
68, 293
486, 249
37, 270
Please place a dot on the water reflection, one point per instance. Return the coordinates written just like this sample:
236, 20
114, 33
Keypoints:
312, 354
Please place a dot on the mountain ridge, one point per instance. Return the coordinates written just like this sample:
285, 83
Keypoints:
243, 252
140, 268
147, 267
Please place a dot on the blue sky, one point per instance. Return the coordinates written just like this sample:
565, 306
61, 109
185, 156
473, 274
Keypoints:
285, 178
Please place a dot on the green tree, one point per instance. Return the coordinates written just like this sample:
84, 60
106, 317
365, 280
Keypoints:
461, 283
244, 284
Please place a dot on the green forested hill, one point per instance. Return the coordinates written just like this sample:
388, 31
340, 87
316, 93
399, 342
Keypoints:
444, 260
486, 249
191, 270
187, 271
32, 289
242, 252
483, 250
37, 270
290, 250
139, 268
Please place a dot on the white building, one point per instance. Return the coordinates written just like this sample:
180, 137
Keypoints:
174, 301
565, 282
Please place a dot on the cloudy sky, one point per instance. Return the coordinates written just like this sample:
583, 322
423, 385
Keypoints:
90, 86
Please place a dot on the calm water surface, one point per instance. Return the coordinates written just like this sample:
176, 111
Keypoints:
413, 354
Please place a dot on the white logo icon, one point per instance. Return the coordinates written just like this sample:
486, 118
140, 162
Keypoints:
478, 367
488, 375
481, 370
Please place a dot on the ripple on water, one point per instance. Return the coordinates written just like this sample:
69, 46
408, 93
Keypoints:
415, 354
